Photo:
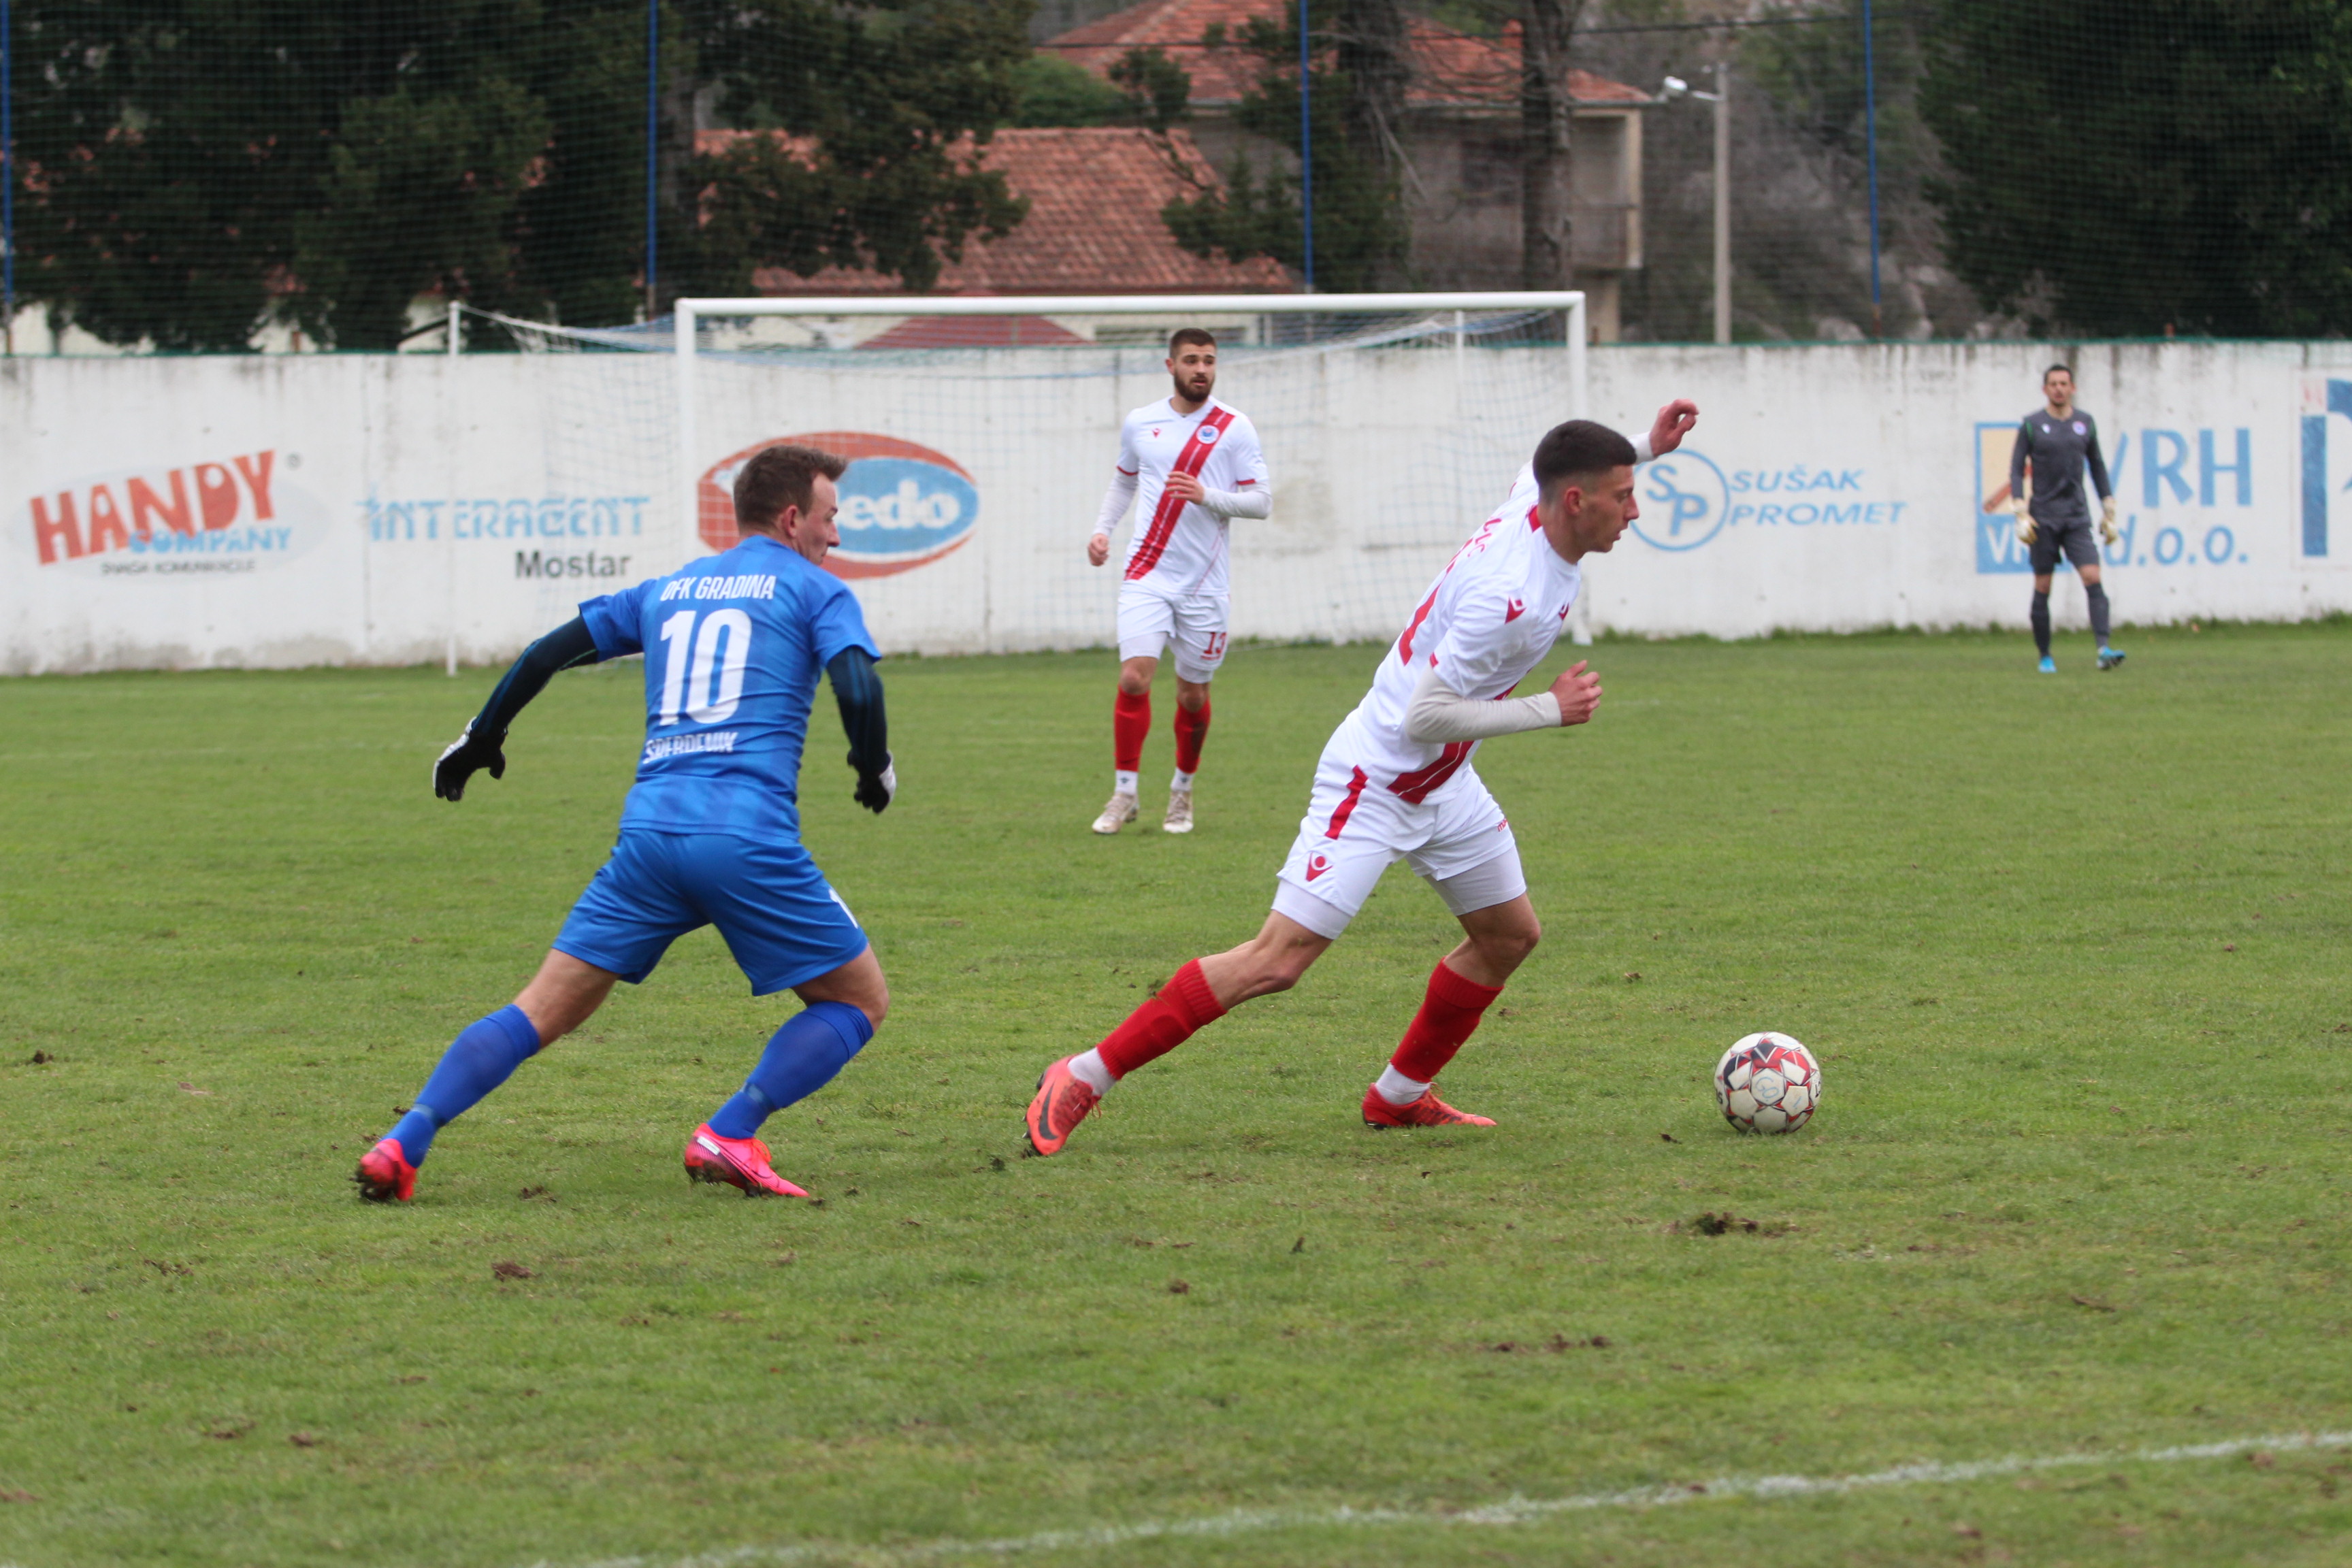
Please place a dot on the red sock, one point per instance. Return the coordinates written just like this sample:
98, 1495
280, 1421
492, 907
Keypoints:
1131, 723
1185, 1006
1448, 1015
1192, 729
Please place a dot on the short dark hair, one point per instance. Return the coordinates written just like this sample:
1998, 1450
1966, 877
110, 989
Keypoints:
1183, 335
2057, 369
1577, 449
777, 477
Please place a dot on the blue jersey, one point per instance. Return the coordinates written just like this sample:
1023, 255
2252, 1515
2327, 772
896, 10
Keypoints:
733, 648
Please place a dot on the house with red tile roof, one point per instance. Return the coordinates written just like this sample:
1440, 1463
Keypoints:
1095, 194
1461, 188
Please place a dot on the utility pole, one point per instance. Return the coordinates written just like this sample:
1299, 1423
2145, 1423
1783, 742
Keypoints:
1722, 203
1307, 143
1720, 97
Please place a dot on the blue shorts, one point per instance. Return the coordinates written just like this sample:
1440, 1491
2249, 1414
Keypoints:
781, 920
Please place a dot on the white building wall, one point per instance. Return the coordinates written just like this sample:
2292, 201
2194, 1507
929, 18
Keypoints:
387, 509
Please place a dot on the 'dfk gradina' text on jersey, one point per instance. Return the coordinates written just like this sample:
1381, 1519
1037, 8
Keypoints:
734, 645
1490, 617
1178, 548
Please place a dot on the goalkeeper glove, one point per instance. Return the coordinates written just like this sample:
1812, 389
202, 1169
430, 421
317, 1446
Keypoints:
2107, 521
877, 791
466, 756
2026, 532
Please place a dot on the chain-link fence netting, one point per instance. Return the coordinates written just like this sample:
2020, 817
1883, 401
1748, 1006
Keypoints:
1387, 439
189, 175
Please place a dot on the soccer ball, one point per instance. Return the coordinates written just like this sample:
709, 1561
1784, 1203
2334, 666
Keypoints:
1768, 1083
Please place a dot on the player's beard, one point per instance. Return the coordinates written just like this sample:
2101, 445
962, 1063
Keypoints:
1184, 390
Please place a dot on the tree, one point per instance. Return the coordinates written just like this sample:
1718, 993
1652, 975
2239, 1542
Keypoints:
1546, 120
194, 169
1361, 234
2131, 167
888, 110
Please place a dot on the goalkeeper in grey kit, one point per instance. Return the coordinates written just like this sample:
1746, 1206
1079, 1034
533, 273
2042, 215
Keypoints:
2060, 440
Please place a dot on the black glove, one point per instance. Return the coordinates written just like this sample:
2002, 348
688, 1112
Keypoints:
466, 754
875, 791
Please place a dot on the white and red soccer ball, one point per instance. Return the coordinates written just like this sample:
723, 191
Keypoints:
1768, 1083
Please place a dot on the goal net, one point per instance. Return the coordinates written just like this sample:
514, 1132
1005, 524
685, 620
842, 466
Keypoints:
981, 435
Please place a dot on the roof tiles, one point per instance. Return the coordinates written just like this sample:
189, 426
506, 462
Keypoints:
1093, 227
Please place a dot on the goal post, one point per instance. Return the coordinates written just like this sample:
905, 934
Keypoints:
691, 314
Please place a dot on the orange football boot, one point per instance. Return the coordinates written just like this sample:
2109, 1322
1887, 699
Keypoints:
384, 1175
1062, 1102
738, 1161
1427, 1111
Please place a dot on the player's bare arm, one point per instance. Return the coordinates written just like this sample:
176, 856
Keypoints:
1674, 422
1578, 691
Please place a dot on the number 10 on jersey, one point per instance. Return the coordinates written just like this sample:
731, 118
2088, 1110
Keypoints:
709, 676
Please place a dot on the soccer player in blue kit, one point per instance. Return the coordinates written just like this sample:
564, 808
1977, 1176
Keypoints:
711, 834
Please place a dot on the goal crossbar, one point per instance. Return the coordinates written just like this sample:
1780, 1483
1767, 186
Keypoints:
691, 312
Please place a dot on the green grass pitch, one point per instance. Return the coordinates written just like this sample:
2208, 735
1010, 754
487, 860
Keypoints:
2073, 952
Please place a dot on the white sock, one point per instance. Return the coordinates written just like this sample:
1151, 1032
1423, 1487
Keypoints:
1124, 782
1088, 1067
1394, 1087
1182, 781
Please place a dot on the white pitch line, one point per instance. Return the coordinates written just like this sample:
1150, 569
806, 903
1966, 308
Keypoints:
1510, 1510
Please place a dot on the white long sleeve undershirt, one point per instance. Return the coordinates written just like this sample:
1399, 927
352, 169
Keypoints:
1438, 713
1116, 499
1257, 500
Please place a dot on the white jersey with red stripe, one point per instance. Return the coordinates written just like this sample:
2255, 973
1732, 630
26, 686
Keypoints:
1490, 617
1177, 548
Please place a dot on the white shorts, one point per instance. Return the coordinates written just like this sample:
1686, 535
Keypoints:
1148, 620
1459, 840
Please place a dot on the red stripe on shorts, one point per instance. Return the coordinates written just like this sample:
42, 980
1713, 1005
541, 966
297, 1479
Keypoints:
1356, 783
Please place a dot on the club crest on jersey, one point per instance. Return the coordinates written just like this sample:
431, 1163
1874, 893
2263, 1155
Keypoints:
902, 506
1206, 434
1316, 865
1512, 609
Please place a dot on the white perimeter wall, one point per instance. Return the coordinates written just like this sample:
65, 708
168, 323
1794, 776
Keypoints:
377, 510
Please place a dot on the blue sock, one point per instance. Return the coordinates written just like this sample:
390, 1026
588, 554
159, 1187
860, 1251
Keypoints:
484, 1055
801, 1058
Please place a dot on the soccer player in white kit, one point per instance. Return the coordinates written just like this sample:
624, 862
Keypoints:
1190, 464
1395, 783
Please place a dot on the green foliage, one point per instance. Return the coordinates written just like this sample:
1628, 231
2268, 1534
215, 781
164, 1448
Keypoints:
2077, 1185
415, 193
197, 168
885, 109
1158, 90
1050, 90
1362, 233
1145, 87
2132, 167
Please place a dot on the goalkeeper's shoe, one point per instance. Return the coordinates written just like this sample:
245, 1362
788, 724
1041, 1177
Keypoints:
384, 1175
1062, 1101
2109, 658
1427, 1111
1116, 814
2047, 665
740, 1162
1180, 811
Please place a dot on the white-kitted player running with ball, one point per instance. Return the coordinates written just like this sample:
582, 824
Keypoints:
1188, 464
1395, 783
